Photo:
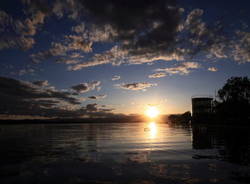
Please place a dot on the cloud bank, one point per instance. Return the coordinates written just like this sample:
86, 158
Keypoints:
142, 31
38, 98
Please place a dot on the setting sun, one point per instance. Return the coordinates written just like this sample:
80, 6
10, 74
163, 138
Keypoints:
152, 112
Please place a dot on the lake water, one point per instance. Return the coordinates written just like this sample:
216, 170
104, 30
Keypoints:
133, 153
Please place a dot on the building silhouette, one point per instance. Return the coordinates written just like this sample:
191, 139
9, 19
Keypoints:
202, 108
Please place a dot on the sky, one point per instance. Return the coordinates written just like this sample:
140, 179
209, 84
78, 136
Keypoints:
90, 58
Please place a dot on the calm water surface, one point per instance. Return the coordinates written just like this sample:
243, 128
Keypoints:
124, 153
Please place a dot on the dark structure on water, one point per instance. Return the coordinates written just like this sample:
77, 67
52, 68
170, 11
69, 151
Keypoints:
202, 108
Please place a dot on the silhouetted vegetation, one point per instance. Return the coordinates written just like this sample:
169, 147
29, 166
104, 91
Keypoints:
115, 119
180, 118
234, 100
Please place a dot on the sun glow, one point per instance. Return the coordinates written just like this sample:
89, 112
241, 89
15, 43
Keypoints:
152, 112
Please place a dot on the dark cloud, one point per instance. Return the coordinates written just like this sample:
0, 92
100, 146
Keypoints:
26, 90
174, 38
136, 86
144, 24
85, 87
41, 83
40, 99
142, 31
97, 97
138, 27
91, 107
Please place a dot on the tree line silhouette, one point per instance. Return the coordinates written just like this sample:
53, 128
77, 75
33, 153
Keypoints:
233, 102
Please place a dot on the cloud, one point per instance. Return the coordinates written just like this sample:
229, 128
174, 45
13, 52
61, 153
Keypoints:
182, 69
157, 75
136, 86
19, 98
85, 87
117, 56
80, 28
241, 52
140, 28
91, 107
76, 42
191, 65
57, 49
212, 69
110, 56
62, 49
95, 33
116, 77
97, 97
68, 61
188, 38
16, 33
23, 43
218, 51
150, 58
29, 26
5, 20
20, 95
41, 83
136, 32
76, 55
193, 18
25, 71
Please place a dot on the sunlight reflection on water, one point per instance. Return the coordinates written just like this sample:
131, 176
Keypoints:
134, 150
152, 130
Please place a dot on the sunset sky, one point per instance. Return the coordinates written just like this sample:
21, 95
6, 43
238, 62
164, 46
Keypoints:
73, 58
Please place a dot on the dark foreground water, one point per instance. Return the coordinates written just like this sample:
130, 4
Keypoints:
134, 153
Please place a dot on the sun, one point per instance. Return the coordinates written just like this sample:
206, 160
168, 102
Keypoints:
152, 111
